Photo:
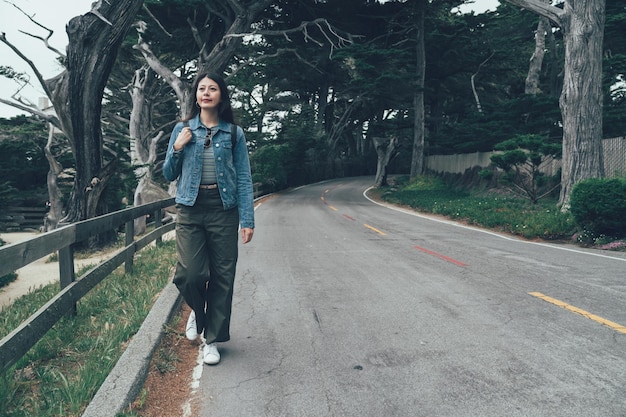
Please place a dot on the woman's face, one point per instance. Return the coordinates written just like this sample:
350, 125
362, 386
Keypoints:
208, 94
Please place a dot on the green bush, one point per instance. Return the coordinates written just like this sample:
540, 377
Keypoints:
8, 278
269, 168
494, 210
599, 206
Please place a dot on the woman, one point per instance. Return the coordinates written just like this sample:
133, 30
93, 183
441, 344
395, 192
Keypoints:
213, 197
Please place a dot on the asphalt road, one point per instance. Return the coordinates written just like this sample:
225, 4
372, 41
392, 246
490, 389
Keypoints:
344, 307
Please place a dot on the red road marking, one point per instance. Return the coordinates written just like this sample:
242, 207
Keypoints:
348, 217
445, 258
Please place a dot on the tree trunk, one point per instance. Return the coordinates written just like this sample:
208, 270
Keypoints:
93, 45
536, 60
581, 98
555, 62
385, 155
582, 23
222, 53
142, 148
417, 157
54, 194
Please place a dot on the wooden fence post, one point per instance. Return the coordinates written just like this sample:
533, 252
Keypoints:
129, 239
67, 275
157, 224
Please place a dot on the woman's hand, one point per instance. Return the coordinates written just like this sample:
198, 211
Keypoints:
246, 234
183, 138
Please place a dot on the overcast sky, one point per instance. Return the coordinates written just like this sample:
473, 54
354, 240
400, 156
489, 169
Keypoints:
54, 14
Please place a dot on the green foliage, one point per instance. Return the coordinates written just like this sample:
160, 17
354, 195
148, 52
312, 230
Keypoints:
501, 212
522, 158
297, 151
377, 71
486, 174
268, 168
598, 206
121, 187
427, 183
8, 278
473, 131
9, 195
23, 166
10, 73
536, 145
62, 372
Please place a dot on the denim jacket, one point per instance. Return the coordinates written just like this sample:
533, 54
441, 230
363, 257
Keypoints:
232, 168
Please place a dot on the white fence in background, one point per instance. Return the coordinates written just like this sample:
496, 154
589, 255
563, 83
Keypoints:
614, 150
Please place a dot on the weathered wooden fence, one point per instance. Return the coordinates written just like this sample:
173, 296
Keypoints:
614, 152
63, 240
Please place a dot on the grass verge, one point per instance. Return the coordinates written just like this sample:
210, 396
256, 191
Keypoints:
63, 371
494, 210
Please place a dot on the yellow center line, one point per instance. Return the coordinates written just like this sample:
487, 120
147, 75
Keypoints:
590, 316
374, 229
333, 208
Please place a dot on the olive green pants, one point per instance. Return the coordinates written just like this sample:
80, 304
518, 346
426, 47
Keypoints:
206, 242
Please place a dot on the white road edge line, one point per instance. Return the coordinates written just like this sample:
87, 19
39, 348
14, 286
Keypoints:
197, 374
195, 382
451, 223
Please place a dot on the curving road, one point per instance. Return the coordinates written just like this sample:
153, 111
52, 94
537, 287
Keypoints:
345, 307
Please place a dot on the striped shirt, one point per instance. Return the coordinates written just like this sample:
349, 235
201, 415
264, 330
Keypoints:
209, 175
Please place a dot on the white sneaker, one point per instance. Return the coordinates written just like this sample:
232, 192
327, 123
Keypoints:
211, 356
192, 330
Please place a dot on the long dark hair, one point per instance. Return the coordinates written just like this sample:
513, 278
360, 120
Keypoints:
224, 109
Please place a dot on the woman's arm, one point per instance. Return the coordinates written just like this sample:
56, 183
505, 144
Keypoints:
174, 156
245, 193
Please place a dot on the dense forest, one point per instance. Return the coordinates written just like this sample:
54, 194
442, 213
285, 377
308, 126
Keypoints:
322, 88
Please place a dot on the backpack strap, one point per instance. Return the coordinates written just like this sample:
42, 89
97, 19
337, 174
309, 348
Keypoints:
233, 135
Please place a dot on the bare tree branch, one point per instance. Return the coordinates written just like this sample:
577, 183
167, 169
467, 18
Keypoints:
283, 51
197, 37
480, 109
30, 63
340, 125
327, 30
544, 9
147, 10
44, 40
18, 106
163, 71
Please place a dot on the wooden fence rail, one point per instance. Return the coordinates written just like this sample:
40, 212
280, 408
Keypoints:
12, 257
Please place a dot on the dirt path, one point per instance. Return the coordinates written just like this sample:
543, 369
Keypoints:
39, 273
36, 274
